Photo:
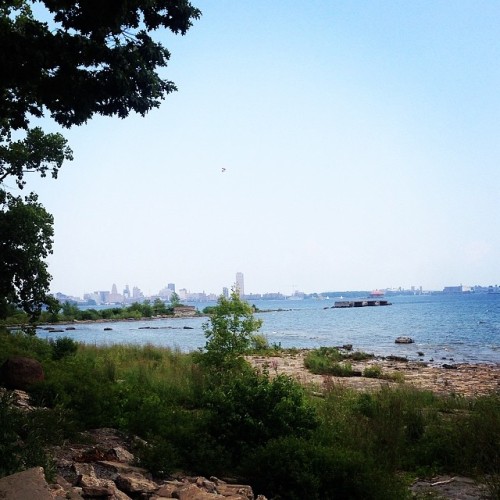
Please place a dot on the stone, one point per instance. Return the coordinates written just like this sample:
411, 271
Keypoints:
192, 492
19, 372
122, 468
123, 455
167, 490
404, 340
133, 483
26, 485
235, 491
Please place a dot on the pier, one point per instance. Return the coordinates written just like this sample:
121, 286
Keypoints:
342, 304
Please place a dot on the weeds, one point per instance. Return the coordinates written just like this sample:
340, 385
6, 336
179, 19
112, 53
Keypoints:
263, 429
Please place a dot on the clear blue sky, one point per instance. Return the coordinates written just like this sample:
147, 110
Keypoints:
361, 142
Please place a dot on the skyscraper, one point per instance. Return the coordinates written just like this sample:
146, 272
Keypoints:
240, 285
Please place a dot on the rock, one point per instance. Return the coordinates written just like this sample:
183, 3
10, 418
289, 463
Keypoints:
134, 483
450, 367
396, 358
123, 455
26, 485
167, 489
192, 492
404, 340
115, 468
19, 372
108, 328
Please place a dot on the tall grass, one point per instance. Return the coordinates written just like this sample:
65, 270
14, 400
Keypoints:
269, 432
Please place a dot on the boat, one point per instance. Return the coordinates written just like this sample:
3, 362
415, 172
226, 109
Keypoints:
377, 293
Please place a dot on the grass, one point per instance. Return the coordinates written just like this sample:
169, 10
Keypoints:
266, 431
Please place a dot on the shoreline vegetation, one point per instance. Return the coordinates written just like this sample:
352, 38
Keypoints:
146, 311
321, 423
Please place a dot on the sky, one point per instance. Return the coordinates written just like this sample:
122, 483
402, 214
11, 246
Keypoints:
360, 142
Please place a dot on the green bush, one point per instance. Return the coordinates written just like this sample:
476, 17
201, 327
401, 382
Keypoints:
374, 371
259, 342
296, 468
325, 361
62, 347
19, 344
249, 409
24, 437
229, 333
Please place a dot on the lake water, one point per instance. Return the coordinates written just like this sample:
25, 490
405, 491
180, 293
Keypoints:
458, 328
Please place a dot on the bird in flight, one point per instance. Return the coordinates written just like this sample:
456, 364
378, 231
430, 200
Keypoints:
223, 169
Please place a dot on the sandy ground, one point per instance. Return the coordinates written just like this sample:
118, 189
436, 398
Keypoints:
463, 379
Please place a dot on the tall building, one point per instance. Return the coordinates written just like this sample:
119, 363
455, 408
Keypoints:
240, 285
225, 292
115, 297
171, 286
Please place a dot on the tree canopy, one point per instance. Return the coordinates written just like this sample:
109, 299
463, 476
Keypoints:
88, 57
67, 60
26, 240
93, 57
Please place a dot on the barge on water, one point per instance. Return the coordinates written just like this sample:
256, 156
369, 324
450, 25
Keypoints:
342, 304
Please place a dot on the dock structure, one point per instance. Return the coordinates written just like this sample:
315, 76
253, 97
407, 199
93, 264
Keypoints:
361, 303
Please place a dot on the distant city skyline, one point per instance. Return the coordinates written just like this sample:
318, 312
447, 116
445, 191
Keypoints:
105, 296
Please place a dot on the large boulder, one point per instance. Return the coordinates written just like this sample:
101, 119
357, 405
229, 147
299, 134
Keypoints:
404, 340
19, 372
27, 485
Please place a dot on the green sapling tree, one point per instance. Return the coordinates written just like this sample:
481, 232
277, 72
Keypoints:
229, 331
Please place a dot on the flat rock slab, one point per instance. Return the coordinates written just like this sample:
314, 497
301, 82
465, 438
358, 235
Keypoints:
26, 485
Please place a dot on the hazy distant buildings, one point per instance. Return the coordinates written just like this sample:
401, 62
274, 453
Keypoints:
171, 286
114, 297
240, 284
126, 293
457, 289
225, 292
137, 294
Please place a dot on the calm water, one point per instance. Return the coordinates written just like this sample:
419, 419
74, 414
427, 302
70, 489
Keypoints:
462, 328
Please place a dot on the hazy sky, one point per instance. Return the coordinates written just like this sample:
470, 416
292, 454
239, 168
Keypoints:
361, 142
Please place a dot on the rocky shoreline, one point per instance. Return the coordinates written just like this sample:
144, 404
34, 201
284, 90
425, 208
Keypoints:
461, 379
105, 466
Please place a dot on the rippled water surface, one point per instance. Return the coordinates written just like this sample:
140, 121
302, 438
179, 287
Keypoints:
456, 327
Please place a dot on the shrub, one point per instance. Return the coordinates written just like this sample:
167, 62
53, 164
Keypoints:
374, 371
24, 437
295, 468
325, 361
359, 356
259, 342
249, 409
229, 332
62, 347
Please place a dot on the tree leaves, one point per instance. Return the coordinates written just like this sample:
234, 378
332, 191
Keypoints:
27, 232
